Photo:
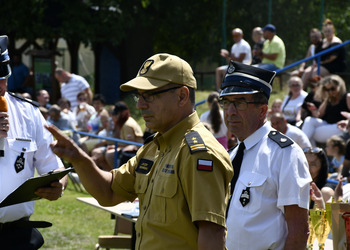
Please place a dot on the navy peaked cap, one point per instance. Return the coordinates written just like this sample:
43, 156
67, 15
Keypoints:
245, 79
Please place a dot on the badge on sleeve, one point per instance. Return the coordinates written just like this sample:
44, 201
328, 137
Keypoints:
19, 164
245, 196
204, 165
144, 166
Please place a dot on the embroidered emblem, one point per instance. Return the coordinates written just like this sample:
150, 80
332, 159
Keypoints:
145, 67
231, 69
144, 166
204, 165
19, 164
195, 142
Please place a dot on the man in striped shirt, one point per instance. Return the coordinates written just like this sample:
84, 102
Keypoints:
72, 85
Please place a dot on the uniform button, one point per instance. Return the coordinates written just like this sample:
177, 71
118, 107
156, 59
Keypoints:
139, 235
162, 191
152, 180
139, 186
144, 207
249, 183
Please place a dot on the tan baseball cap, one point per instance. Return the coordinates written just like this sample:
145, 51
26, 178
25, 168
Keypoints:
160, 70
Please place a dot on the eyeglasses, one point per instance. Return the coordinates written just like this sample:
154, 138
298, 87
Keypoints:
313, 150
330, 89
149, 96
239, 104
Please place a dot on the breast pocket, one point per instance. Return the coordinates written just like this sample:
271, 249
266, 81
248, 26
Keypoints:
21, 154
165, 205
254, 182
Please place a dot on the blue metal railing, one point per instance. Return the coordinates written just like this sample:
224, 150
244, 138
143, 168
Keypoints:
317, 56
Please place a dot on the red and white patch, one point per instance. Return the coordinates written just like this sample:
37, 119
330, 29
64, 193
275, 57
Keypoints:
205, 165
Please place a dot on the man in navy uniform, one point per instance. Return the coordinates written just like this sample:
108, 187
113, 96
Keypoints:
270, 188
26, 148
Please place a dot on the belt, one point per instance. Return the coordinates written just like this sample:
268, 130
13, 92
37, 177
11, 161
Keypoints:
24, 223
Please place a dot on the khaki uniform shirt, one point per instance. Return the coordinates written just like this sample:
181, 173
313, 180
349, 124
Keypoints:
180, 177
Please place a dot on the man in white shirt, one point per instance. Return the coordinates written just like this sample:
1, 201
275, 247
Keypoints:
72, 85
240, 52
279, 122
271, 184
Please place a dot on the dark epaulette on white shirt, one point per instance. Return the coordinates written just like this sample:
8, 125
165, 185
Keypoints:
34, 103
281, 139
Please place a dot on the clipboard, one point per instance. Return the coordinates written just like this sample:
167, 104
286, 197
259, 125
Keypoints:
25, 192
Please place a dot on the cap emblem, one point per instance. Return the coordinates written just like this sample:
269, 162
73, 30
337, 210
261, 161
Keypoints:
145, 67
231, 69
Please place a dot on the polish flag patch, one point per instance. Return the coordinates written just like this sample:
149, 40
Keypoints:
204, 165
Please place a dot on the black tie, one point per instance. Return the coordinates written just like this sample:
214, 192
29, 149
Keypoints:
237, 162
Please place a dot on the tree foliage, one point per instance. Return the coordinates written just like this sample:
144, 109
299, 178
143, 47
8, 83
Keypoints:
190, 29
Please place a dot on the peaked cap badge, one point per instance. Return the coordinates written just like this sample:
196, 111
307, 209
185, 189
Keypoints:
145, 67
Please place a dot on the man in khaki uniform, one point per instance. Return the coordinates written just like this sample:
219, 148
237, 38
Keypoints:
181, 175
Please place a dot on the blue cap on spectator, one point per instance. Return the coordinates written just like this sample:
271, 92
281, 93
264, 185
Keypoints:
270, 27
243, 79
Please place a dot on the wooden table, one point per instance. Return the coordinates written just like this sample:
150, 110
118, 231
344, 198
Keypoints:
121, 210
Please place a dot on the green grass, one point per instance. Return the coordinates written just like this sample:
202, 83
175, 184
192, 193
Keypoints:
77, 225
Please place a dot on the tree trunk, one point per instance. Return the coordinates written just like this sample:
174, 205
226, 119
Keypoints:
73, 48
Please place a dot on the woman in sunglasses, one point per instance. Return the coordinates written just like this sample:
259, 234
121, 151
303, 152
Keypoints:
318, 166
323, 122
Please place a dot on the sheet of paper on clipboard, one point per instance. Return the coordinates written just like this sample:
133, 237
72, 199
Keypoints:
25, 192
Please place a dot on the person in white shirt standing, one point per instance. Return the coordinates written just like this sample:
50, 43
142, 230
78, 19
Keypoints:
72, 85
270, 189
240, 52
26, 150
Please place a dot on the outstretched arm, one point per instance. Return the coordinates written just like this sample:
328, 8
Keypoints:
96, 181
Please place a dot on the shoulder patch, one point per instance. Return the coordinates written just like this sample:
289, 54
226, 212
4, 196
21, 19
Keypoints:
34, 103
281, 139
144, 166
195, 142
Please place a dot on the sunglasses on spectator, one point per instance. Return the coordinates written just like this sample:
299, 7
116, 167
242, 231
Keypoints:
330, 89
312, 150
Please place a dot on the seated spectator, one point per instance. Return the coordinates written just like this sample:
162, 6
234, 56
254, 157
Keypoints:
43, 98
291, 106
27, 95
215, 118
258, 38
311, 102
335, 149
318, 166
62, 122
83, 112
98, 121
323, 122
240, 52
44, 112
332, 62
125, 128
276, 107
64, 104
273, 54
279, 122
316, 42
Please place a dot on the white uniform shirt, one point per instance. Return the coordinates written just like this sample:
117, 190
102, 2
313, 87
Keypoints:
72, 88
277, 177
27, 135
297, 135
242, 47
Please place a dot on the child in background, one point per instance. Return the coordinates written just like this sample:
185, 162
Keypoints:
276, 107
335, 148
